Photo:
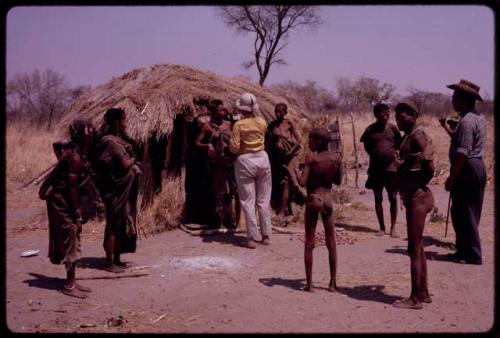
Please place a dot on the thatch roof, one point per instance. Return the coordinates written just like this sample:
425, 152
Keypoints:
161, 92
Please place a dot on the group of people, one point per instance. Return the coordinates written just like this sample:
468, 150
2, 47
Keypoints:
251, 160
404, 165
97, 172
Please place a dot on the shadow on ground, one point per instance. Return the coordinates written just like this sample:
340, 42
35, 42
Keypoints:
231, 239
429, 255
98, 263
355, 228
295, 284
372, 293
44, 282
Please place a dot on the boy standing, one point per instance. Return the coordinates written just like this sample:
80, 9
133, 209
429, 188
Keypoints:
381, 140
321, 169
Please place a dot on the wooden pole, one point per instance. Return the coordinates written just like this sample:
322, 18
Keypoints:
342, 156
355, 149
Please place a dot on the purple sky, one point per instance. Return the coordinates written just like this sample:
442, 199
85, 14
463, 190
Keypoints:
426, 47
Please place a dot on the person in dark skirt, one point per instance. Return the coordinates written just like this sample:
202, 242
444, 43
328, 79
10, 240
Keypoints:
117, 179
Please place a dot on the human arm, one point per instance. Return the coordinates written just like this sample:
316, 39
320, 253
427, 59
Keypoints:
298, 139
75, 166
366, 142
205, 130
234, 142
442, 122
339, 173
303, 174
464, 135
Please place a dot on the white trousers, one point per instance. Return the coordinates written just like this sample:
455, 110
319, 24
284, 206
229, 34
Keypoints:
253, 177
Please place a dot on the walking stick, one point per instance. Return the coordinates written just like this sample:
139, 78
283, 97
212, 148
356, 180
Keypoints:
447, 217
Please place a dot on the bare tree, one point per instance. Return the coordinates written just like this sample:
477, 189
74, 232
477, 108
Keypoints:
362, 94
311, 96
39, 96
430, 103
272, 26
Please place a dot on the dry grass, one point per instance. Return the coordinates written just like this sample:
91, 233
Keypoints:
165, 210
162, 91
28, 151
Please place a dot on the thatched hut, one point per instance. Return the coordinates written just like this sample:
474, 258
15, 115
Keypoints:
161, 114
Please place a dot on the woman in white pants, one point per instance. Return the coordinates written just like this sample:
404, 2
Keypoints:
252, 169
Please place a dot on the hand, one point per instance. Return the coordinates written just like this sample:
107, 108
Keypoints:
135, 168
211, 151
77, 216
450, 182
442, 120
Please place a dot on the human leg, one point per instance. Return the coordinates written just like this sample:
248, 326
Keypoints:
71, 288
245, 181
417, 205
473, 181
311, 218
377, 193
329, 225
393, 200
263, 185
218, 180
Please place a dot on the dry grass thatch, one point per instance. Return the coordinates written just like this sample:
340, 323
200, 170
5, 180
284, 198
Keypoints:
162, 92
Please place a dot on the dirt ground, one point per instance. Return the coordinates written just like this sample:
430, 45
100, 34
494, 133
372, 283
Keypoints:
193, 284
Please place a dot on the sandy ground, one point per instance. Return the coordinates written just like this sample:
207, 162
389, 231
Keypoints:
193, 284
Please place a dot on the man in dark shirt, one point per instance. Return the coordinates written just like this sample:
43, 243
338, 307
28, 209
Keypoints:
381, 140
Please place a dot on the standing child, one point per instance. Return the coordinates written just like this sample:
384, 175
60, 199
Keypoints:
381, 140
60, 190
321, 169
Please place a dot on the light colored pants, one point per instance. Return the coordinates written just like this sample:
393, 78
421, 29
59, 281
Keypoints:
253, 177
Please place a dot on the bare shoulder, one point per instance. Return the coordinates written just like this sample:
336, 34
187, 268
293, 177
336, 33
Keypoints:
311, 158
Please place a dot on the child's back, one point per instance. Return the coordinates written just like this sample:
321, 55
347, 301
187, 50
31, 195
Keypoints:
325, 169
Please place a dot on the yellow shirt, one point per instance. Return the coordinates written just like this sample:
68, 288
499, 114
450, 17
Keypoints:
248, 135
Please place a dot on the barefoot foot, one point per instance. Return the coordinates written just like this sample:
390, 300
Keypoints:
73, 292
308, 288
408, 303
82, 288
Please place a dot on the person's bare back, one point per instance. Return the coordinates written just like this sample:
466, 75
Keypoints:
324, 170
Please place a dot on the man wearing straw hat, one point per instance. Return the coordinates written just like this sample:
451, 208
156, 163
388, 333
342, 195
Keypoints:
252, 169
467, 178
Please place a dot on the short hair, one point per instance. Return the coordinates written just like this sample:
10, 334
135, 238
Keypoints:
212, 106
379, 107
407, 108
321, 134
112, 115
281, 104
79, 126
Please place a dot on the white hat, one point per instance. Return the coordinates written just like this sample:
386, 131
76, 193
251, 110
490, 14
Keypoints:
247, 102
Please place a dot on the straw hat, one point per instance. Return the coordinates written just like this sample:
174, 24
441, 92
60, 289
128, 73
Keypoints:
247, 102
467, 87
404, 105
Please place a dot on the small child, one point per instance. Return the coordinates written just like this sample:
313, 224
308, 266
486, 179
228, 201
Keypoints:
321, 169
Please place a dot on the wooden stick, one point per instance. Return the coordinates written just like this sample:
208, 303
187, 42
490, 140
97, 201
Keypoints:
447, 216
204, 231
286, 231
117, 276
355, 148
40, 176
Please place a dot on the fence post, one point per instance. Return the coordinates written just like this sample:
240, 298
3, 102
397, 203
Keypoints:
355, 148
